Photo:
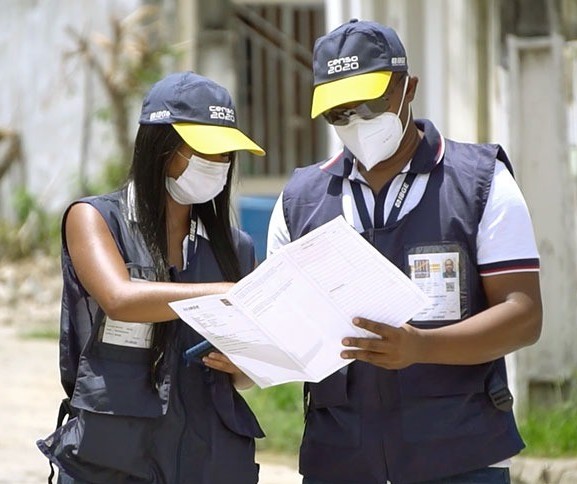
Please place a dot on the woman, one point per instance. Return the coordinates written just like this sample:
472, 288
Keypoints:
140, 414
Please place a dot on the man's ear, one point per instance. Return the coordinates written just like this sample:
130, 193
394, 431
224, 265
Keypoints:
412, 88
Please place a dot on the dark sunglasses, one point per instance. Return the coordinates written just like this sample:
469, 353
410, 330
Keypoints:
367, 110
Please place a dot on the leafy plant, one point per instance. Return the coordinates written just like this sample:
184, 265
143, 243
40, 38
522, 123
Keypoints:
112, 176
551, 432
125, 63
279, 410
35, 229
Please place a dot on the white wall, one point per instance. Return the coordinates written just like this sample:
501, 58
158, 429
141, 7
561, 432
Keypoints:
540, 150
42, 95
441, 51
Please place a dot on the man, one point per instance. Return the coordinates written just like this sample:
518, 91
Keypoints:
449, 268
427, 400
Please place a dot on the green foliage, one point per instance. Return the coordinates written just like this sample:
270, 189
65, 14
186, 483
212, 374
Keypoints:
279, 410
551, 432
35, 230
50, 333
24, 204
111, 178
126, 65
151, 67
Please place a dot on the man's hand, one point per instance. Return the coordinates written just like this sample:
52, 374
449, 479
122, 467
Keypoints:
392, 348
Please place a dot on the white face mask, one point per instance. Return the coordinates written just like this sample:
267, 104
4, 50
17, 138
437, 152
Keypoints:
201, 181
374, 140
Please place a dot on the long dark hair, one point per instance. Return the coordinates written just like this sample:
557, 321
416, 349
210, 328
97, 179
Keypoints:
154, 147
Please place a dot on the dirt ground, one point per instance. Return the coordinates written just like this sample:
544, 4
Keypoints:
31, 392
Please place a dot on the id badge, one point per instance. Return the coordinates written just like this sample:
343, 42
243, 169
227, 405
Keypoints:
437, 274
122, 333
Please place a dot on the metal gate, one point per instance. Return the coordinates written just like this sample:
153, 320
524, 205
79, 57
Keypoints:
273, 56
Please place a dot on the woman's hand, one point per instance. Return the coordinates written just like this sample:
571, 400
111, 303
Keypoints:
220, 362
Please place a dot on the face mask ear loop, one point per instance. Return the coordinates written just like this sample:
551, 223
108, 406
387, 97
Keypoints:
409, 111
403, 98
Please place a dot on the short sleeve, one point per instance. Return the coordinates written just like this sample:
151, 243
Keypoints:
278, 233
506, 240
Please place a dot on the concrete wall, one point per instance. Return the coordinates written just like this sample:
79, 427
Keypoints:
539, 146
43, 95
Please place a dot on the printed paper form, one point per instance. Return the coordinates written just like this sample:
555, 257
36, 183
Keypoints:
285, 321
355, 269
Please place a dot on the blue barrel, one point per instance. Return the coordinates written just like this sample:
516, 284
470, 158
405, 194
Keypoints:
254, 214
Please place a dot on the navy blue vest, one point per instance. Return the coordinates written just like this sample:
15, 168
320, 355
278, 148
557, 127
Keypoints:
365, 424
193, 428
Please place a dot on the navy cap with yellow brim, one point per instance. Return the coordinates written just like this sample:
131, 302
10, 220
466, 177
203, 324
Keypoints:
349, 89
354, 62
200, 110
211, 139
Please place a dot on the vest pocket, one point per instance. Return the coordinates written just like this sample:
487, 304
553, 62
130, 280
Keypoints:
330, 392
439, 380
116, 388
335, 426
444, 402
232, 409
329, 418
101, 449
447, 417
115, 443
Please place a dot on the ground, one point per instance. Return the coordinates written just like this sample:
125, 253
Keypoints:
29, 307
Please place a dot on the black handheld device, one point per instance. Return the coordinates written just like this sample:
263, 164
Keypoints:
195, 353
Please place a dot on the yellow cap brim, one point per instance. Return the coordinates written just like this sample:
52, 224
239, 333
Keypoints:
349, 89
210, 139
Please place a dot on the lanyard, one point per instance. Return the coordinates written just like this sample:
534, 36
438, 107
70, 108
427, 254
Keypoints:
193, 228
401, 197
395, 209
192, 240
